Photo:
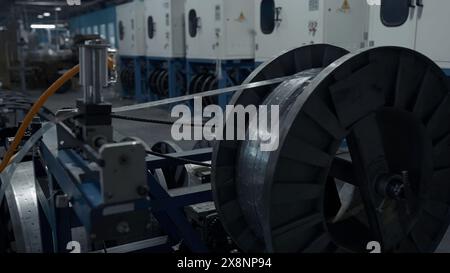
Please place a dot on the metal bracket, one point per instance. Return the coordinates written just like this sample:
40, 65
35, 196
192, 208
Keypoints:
124, 174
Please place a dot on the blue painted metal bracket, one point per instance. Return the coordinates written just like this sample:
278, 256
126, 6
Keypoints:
88, 206
169, 213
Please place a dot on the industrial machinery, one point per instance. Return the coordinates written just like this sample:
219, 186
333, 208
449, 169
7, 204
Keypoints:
165, 48
312, 194
284, 24
131, 44
419, 25
13, 108
219, 44
86, 178
391, 105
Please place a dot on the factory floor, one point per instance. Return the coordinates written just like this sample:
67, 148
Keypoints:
150, 133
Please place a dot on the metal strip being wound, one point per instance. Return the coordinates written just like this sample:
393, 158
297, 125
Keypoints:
211, 93
8, 173
253, 163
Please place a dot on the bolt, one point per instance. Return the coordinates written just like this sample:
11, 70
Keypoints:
62, 201
390, 186
123, 159
109, 195
123, 227
143, 190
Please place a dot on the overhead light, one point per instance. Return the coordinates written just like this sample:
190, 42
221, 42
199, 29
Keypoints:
42, 26
47, 14
2, 28
40, 16
58, 9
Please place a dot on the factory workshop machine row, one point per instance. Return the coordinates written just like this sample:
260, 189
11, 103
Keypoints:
388, 183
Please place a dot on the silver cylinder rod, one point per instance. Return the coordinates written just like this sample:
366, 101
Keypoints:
93, 70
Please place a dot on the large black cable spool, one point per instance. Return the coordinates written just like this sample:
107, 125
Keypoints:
208, 84
391, 105
153, 81
193, 83
163, 84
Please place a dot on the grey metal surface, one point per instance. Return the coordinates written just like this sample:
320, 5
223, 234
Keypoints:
23, 208
189, 190
133, 247
93, 71
124, 171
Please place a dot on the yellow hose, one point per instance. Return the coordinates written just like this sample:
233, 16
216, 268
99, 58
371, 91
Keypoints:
36, 108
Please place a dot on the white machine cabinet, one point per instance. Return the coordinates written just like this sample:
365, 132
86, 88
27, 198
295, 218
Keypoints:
164, 28
284, 24
219, 29
422, 25
130, 28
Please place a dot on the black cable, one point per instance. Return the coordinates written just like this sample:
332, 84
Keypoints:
155, 121
186, 161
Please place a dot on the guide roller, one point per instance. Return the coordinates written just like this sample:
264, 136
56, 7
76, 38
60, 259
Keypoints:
392, 107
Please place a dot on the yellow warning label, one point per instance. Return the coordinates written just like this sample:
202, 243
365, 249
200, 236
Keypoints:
345, 6
242, 17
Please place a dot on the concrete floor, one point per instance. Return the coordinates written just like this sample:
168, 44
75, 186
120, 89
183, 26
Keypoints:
150, 133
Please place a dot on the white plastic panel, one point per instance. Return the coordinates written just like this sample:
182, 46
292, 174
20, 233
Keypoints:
433, 25
425, 30
381, 35
346, 23
291, 31
164, 28
338, 22
130, 28
225, 29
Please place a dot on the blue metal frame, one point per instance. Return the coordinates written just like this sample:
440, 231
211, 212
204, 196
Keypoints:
173, 66
138, 63
87, 204
193, 67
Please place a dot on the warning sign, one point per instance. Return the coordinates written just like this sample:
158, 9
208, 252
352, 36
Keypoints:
242, 17
345, 6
